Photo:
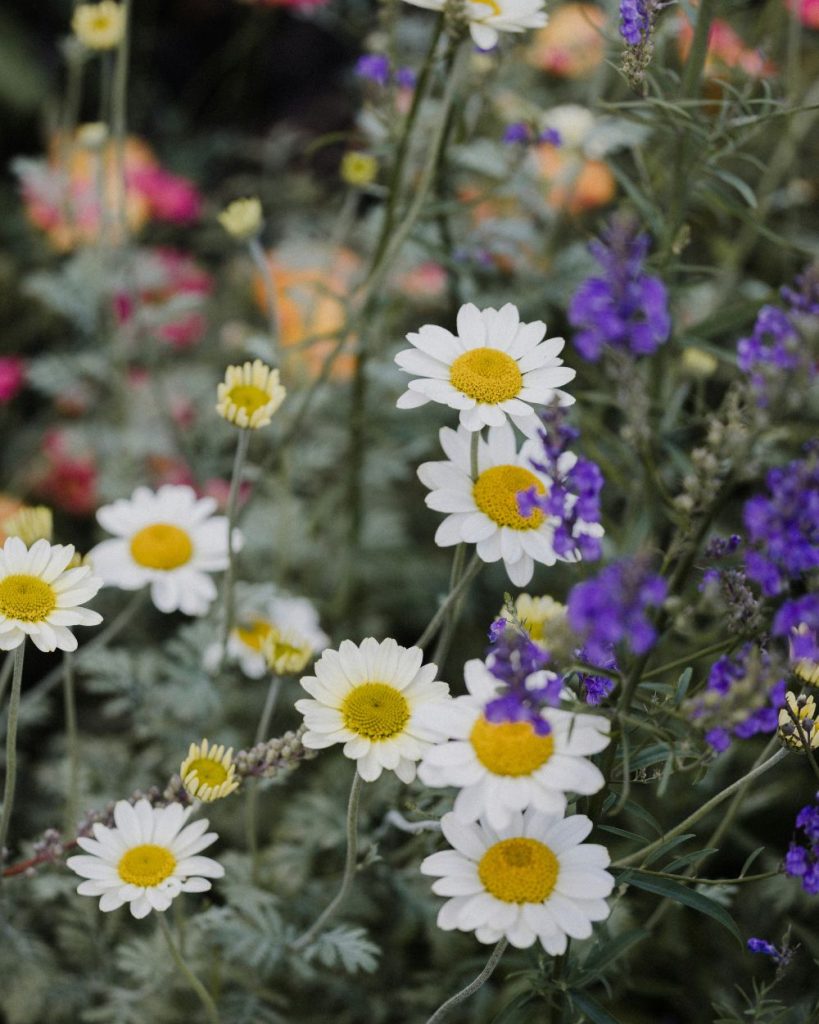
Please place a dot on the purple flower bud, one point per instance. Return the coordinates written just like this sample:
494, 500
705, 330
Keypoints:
375, 67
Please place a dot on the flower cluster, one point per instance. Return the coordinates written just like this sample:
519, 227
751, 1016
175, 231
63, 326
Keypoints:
783, 526
802, 858
574, 496
376, 67
613, 607
519, 663
739, 701
798, 620
624, 308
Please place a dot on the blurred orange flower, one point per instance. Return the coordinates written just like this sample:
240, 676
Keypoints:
312, 286
61, 193
726, 51
575, 183
572, 44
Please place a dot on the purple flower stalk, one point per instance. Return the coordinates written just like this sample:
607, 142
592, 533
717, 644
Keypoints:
781, 957
405, 78
783, 526
613, 608
573, 499
517, 133
519, 663
802, 858
624, 308
636, 18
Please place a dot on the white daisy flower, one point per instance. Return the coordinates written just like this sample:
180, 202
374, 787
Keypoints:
504, 767
485, 511
368, 697
488, 17
169, 539
147, 859
40, 596
258, 619
532, 880
494, 367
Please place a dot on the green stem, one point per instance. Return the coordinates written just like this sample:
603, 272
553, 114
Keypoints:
230, 573
119, 120
202, 993
471, 571
349, 867
472, 987
11, 744
251, 808
262, 265
701, 812
71, 744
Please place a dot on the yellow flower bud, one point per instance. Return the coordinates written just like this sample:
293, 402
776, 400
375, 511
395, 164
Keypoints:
99, 26
242, 218
359, 169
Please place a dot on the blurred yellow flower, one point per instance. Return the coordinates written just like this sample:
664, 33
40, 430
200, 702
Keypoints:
242, 218
30, 524
286, 651
359, 169
99, 26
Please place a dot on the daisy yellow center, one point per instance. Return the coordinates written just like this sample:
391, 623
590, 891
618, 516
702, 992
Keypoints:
375, 710
487, 375
248, 397
27, 598
510, 748
254, 635
161, 546
146, 865
102, 23
519, 870
496, 495
210, 773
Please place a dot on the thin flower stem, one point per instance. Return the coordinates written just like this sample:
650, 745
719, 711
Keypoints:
262, 265
11, 744
715, 648
262, 732
204, 996
349, 867
471, 571
119, 104
111, 631
233, 501
473, 986
701, 812
71, 744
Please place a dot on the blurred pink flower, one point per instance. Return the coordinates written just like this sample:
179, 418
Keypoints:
807, 11
169, 197
69, 481
12, 377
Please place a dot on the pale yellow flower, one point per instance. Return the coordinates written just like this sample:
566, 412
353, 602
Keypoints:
359, 169
30, 523
803, 709
208, 772
242, 219
250, 395
696, 362
99, 26
805, 668
286, 651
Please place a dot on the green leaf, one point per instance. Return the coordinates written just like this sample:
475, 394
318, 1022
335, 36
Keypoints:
682, 686
592, 1009
669, 846
605, 953
679, 893
615, 831
750, 859
688, 858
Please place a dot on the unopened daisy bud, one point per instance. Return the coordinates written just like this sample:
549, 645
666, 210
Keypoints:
208, 772
358, 169
249, 395
242, 219
798, 727
31, 523
285, 651
99, 26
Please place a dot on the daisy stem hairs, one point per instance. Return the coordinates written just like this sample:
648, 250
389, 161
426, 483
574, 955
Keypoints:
230, 574
11, 744
72, 747
205, 998
349, 867
262, 265
473, 986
